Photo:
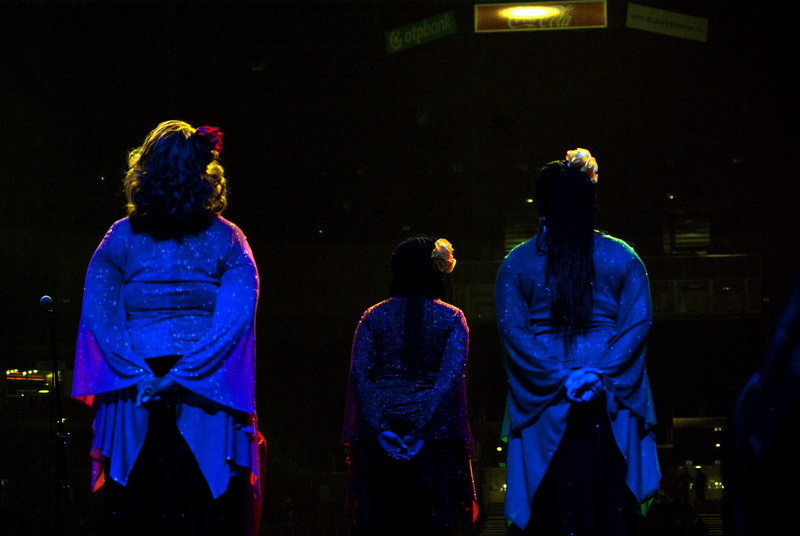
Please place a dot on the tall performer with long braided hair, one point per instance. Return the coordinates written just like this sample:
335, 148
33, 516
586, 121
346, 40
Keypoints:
574, 313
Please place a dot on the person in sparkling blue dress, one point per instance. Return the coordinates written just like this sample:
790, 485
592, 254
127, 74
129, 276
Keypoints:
166, 349
406, 430
574, 312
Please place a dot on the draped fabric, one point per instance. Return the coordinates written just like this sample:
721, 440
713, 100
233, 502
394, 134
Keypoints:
537, 360
194, 298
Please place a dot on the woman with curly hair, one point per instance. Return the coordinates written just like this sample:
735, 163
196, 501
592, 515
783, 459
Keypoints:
574, 313
166, 348
406, 430
175, 184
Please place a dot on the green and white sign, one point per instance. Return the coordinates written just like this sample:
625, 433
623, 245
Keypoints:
421, 32
667, 22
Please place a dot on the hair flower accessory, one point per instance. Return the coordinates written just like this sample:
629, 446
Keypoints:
210, 137
583, 158
442, 256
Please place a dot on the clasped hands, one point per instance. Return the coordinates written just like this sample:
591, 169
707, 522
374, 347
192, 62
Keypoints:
399, 448
151, 391
583, 385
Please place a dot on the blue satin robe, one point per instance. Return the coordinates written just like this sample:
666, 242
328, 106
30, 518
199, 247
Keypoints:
537, 363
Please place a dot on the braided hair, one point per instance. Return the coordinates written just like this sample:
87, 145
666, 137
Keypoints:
568, 208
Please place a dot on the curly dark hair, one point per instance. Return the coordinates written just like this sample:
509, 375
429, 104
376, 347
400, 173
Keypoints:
174, 184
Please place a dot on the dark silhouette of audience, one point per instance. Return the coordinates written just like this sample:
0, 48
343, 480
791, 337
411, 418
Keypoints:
759, 451
670, 514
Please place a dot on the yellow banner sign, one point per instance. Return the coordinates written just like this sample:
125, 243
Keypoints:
526, 17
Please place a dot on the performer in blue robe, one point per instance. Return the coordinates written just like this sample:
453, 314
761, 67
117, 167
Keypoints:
574, 312
166, 348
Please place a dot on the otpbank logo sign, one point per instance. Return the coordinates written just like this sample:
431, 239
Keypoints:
533, 16
421, 32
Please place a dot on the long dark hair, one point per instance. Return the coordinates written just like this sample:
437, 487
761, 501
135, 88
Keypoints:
415, 279
174, 184
568, 208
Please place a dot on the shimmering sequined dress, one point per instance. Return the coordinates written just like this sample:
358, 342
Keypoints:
192, 298
425, 398
537, 362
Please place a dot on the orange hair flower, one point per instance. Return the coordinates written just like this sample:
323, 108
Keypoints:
583, 158
442, 256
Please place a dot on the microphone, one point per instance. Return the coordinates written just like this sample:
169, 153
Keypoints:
46, 303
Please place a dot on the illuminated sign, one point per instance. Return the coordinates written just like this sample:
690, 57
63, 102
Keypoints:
667, 22
527, 17
421, 32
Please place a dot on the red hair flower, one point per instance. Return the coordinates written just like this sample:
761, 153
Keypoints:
210, 137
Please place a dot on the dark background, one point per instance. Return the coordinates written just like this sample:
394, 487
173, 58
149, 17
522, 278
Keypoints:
336, 150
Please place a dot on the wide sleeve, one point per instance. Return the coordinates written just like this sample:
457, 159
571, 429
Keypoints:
221, 365
104, 360
446, 405
534, 373
623, 364
364, 415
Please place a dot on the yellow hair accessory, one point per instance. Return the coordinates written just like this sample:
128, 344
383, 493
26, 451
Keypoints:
442, 256
584, 159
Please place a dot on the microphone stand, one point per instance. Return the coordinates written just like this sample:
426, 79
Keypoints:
62, 488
